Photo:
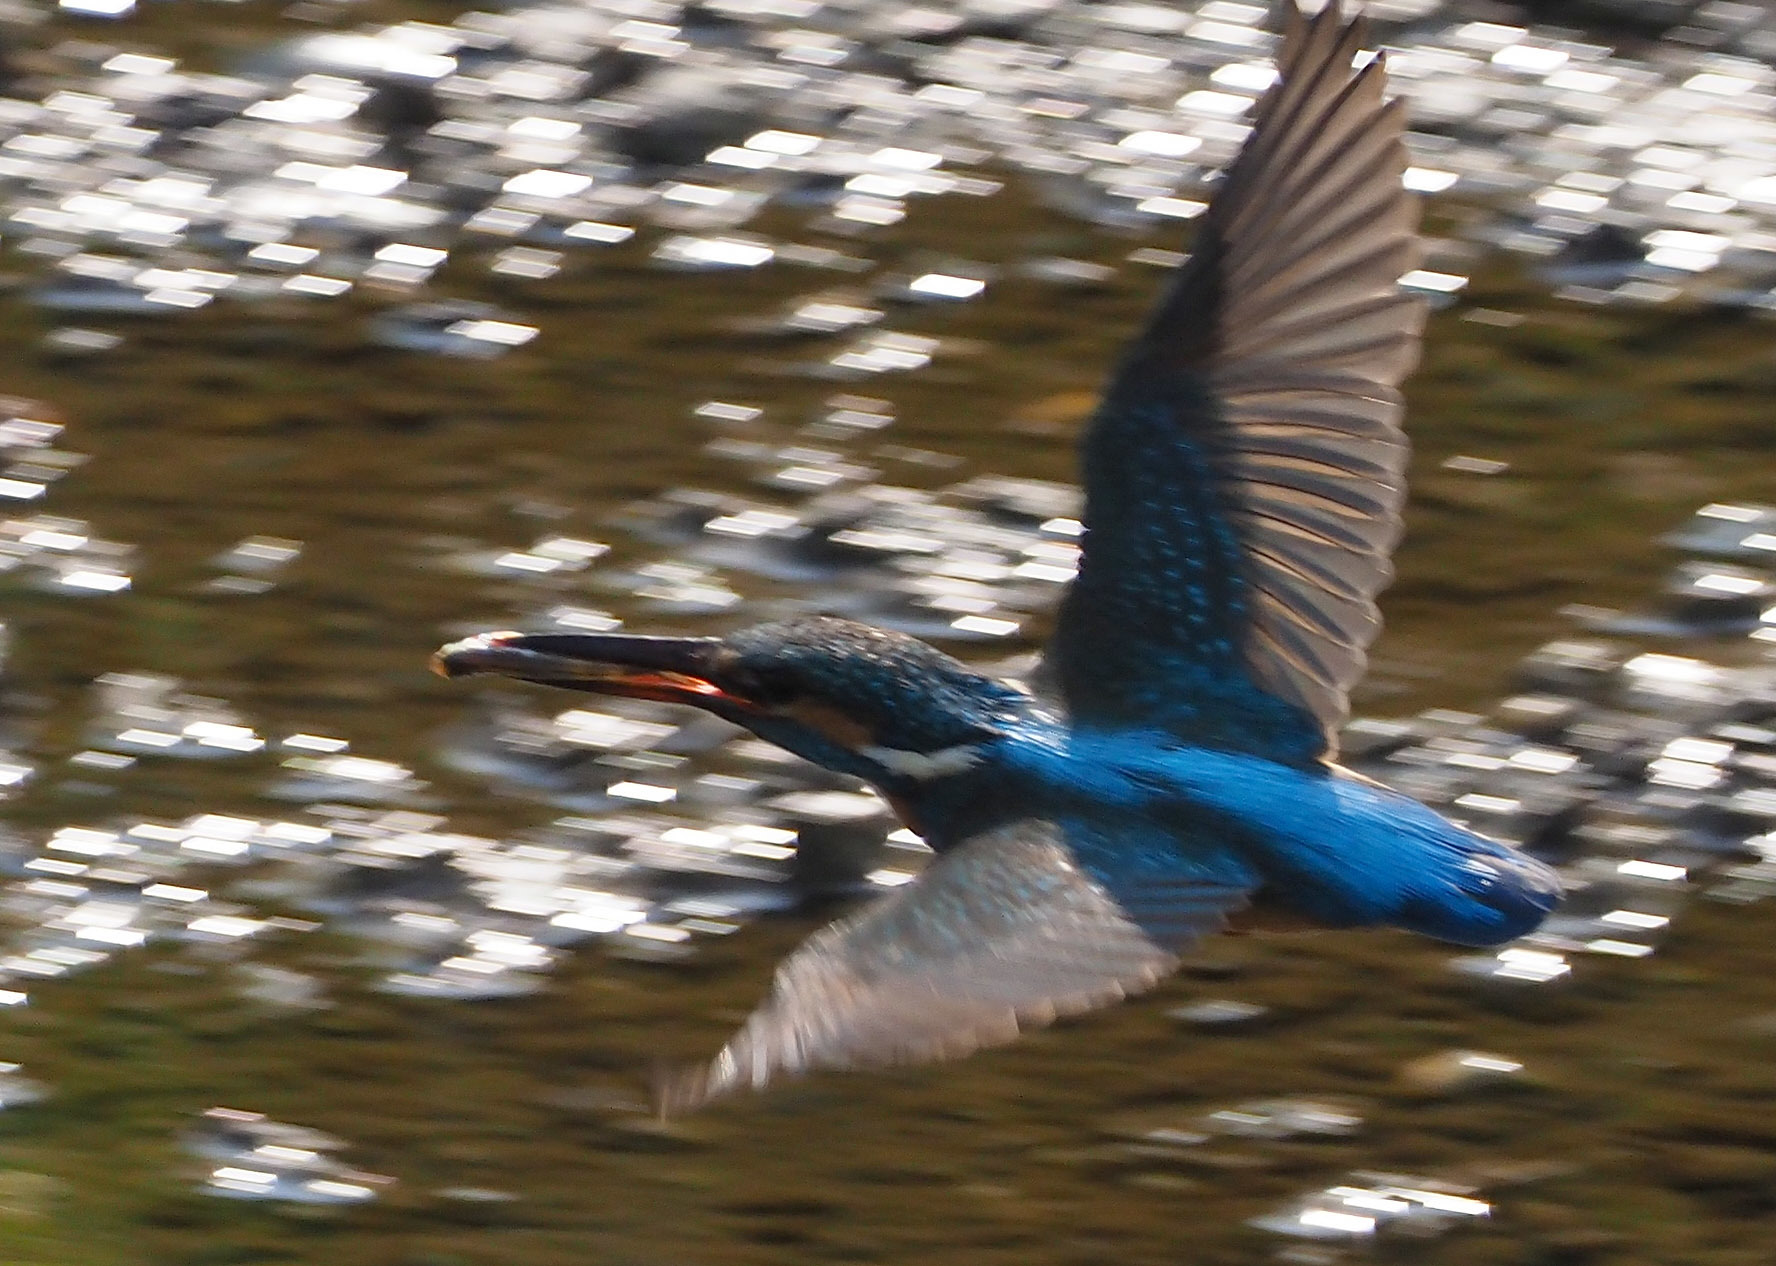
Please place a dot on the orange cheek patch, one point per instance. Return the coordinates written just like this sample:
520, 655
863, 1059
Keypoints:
830, 723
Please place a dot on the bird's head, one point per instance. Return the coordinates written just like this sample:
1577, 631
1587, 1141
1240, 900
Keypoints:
878, 705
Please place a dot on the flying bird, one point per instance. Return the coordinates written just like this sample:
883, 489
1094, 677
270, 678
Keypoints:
1172, 761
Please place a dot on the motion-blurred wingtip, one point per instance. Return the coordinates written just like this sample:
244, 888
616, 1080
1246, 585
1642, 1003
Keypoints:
677, 1089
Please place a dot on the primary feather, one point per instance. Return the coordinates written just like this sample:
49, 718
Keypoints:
1004, 933
1245, 472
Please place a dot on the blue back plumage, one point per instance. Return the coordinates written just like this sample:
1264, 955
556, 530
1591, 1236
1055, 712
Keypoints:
1338, 849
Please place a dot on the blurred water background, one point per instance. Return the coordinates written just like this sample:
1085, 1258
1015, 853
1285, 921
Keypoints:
336, 330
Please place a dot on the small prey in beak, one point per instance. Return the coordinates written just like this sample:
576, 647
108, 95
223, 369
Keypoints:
668, 669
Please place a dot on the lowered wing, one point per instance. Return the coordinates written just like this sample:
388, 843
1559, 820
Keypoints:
1244, 474
1001, 934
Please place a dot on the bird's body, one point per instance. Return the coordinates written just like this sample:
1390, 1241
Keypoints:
1171, 762
1330, 846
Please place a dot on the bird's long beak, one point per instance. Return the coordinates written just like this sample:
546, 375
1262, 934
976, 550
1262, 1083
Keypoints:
669, 669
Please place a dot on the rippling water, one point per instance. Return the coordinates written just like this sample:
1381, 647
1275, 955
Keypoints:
310, 956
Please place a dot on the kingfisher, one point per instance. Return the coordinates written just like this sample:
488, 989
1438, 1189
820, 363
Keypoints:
1170, 766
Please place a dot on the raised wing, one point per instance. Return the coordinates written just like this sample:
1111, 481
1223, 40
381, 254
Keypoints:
1245, 472
1004, 933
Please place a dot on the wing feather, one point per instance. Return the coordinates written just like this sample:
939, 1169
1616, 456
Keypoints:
1251, 441
1000, 935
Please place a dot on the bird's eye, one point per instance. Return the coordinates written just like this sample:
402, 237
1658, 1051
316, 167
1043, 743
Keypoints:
765, 689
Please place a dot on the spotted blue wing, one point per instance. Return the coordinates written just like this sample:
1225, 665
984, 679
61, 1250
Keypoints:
1244, 473
1004, 933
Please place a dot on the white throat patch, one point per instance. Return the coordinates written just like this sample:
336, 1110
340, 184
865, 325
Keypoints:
924, 766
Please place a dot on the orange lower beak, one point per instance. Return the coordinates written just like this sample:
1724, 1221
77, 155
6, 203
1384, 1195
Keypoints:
668, 669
